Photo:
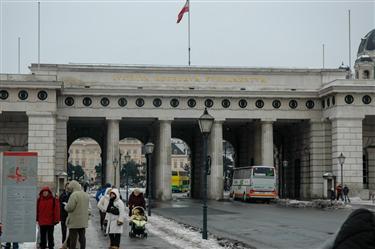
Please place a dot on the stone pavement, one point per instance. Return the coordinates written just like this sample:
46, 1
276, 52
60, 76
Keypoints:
95, 238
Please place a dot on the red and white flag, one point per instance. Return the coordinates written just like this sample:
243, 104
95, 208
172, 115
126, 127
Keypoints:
183, 11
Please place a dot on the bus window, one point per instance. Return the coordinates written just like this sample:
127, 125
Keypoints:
174, 173
263, 172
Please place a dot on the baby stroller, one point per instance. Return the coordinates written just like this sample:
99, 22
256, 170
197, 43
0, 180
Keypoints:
137, 223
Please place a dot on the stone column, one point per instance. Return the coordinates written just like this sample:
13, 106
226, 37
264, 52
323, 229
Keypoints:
61, 148
267, 143
316, 154
257, 144
162, 153
347, 139
42, 139
113, 139
215, 150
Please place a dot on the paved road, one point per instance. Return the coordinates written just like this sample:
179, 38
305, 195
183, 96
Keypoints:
259, 225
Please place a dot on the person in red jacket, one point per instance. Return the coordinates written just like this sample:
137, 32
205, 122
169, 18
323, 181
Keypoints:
47, 216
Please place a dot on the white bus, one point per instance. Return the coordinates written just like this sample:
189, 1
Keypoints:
254, 182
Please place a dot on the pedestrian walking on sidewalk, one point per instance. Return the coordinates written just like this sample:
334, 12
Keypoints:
47, 216
78, 215
115, 215
136, 199
346, 192
99, 194
339, 192
64, 198
102, 205
8, 245
333, 195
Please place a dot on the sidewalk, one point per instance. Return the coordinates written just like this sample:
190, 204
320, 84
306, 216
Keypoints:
163, 233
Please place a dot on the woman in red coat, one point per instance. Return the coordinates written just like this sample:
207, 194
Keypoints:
47, 216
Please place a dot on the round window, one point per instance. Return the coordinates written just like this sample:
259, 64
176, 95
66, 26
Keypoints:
293, 104
276, 104
157, 102
23, 95
87, 101
4, 94
140, 102
225, 103
259, 103
42, 95
122, 102
69, 101
191, 103
242, 103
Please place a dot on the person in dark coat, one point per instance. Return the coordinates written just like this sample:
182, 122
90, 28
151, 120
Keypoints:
47, 216
136, 199
346, 192
64, 198
357, 232
339, 192
333, 195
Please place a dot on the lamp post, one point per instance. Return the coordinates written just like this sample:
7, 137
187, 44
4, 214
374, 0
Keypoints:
205, 124
73, 174
341, 159
285, 165
149, 148
127, 159
115, 164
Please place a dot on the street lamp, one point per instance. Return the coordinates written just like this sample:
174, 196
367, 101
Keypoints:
127, 159
149, 148
341, 159
285, 165
115, 164
205, 124
73, 174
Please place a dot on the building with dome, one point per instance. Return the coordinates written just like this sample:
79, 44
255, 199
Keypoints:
299, 120
365, 63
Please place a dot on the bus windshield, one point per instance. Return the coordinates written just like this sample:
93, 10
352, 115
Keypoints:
263, 172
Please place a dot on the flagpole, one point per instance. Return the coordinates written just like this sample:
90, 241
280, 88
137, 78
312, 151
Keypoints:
19, 55
38, 36
189, 49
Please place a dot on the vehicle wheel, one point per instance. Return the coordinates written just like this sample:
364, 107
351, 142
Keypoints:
244, 197
131, 235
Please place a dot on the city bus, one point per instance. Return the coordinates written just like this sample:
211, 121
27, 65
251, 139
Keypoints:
254, 182
180, 181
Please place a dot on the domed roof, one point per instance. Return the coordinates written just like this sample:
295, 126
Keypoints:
367, 43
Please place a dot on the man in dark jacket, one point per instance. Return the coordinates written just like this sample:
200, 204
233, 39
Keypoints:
64, 198
136, 199
346, 192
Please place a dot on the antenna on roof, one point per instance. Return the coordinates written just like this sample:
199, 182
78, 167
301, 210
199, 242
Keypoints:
323, 56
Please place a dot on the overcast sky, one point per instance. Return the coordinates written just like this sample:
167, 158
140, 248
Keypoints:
223, 33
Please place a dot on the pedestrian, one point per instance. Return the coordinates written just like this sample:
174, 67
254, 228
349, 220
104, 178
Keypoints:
101, 191
64, 198
333, 195
357, 232
8, 245
78, 215
47, 216
346, 192
99, 194
102, 205
136, 199
339, 192
115, 215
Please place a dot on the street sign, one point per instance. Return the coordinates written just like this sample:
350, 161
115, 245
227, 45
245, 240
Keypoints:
18, 192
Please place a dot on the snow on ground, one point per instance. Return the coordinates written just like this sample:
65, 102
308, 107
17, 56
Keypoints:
183, 236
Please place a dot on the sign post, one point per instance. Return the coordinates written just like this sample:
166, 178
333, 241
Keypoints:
18, 181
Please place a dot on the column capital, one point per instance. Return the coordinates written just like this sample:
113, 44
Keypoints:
62, 118
347, 118
268, 120
113, 118
166, 119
